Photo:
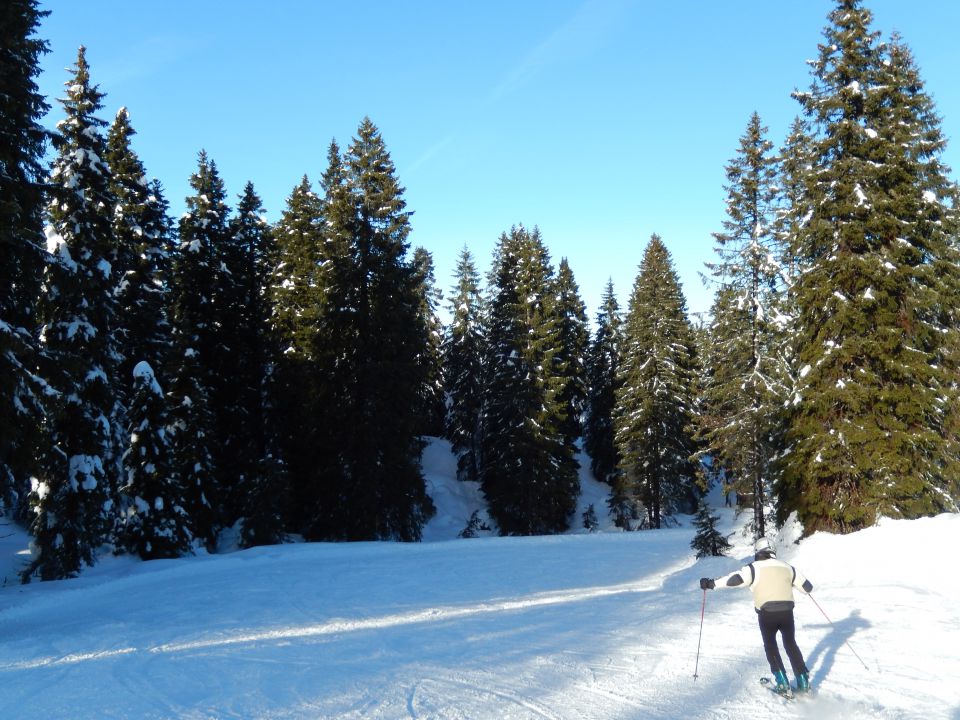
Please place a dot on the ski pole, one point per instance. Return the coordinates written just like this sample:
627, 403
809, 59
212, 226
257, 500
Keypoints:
703, 607
845, 642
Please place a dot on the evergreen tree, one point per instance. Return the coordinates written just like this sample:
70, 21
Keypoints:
195, 352
867, 432
748, 384
463, 368
603, 363
22, 142
372, 340
73, 497
257, 492
155, 521
141, 237
573, 338
528, 475
709, 541
294, 320
654, 397
432, 404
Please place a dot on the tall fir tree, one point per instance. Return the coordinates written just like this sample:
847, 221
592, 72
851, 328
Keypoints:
750, 376
463, 350
867, 431
74, 495
195, 352
603, 364
22, 143
155, 522
432, 403
573, 339
258, 490
294, 320
528, 473
372, 340
654, 398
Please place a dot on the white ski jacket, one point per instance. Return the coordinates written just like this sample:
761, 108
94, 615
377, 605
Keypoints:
772, 582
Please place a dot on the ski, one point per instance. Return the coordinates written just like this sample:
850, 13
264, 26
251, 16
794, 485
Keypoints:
770, 685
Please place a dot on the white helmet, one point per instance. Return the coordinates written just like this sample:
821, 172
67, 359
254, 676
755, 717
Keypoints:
763, 546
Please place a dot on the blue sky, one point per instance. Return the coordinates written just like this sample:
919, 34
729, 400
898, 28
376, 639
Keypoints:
600, 121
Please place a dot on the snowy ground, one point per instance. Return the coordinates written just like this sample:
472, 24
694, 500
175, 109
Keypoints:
579, 627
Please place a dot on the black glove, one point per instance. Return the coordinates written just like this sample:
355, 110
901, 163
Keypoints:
707, 584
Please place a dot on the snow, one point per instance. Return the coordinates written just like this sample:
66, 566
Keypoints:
581, 626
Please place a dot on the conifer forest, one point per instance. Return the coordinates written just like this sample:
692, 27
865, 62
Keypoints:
163, 380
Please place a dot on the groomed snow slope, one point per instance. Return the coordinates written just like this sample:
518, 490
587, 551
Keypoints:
579, 627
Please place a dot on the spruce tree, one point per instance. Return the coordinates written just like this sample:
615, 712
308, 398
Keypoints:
528, 473
603, 363
294, 319
73, 497
463, 368
22, 143
372, 338
195, 352
749, 381
432, 404
654, 397
573, 338
155, 522
709, 541
867, 432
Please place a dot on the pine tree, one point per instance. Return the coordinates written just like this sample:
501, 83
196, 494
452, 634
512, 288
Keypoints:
141, 237
603, 363
22, 143
258, 490
195, 352
73, 498
294, 320
867, 433
432, 404
749, 382
528, 472
654, 397
709, 541
463, 368
372, 340
573, 338
155, 522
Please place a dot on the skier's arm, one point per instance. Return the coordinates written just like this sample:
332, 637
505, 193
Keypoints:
741, 578
800, 582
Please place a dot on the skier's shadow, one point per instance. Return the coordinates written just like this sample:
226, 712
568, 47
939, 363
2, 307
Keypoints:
823, 656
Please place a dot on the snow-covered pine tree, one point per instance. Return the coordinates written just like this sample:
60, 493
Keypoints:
432, 403
73, 497
654, 397
868, 427
22, 143
294, 325
372, 338
257, 491
141, 235
528, 473
463, 367
603, 362
155, 522
573, 339
749, 382
709, 541
193, 318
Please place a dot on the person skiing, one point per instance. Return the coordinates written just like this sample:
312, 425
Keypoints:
772, 582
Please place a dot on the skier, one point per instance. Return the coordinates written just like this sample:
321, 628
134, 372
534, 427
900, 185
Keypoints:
772, 582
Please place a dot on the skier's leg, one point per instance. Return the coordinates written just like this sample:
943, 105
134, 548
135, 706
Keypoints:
787, 631
768, 631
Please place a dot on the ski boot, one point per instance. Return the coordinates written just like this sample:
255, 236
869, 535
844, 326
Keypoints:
783, 685
803, 683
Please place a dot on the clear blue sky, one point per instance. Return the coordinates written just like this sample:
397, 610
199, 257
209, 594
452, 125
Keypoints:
601, 121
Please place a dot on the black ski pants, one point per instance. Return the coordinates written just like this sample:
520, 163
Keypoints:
772, 622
